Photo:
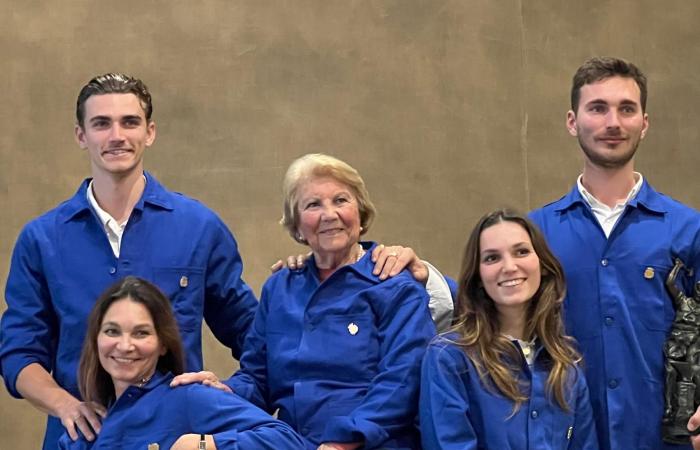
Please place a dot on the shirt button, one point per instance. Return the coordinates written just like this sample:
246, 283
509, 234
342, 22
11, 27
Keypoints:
612, 384
534, 414
112, 270
609, 321
604, 262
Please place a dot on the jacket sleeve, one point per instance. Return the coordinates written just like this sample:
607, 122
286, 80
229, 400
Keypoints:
250, 382
28, 330
441, 304
584, 436
230, 304
235, 423
390, 404
444, 400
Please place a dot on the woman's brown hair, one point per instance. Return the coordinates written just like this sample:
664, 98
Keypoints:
476, 321
94, 382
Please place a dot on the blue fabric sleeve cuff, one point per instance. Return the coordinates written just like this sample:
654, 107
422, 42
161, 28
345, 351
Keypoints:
227, 440
243, 390
12, 365
347, 429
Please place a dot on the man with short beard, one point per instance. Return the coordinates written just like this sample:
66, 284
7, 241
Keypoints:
617, 239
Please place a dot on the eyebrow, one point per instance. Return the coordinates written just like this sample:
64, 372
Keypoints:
600, 101
516, 245
108, 118
115, 324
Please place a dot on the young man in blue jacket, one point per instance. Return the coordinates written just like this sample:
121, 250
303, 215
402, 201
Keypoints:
617, 239
120, 222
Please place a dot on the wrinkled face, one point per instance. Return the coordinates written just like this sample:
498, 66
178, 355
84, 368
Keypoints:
127, 344
609, 123
115, 133
509, 267
329, 217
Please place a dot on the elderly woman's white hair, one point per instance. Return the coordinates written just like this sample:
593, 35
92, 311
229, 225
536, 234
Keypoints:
318, 165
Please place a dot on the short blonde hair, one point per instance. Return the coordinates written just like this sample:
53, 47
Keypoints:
317, 165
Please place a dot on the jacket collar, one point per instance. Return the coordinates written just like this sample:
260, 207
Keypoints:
646, 198
363, 267
154, 194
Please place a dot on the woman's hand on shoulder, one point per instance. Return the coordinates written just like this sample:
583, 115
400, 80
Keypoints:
292, 263
204, 377
390, 261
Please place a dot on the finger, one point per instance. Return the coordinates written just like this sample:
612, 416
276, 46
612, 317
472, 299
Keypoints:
218, 385
99, 409
292, 262
70, 428
391, 255
92, 419
276, 266
403, 259
389, 265
85, 428
381, 261
695, 440
376, 252
193, 377
694, 421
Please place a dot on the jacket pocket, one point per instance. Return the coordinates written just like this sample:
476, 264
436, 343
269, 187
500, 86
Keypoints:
184, 286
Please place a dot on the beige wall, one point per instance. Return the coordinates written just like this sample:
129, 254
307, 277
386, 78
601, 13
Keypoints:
447, 108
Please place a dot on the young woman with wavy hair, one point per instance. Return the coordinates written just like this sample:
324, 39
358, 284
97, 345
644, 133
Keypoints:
506, 375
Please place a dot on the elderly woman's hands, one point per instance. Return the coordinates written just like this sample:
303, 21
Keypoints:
204, 377
388, 262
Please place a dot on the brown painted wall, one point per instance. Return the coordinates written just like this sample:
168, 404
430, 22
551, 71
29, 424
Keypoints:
448, 108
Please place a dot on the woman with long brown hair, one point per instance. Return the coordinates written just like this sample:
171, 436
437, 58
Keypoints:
131, 353
506, 375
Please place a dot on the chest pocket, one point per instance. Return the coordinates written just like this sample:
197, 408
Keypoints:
346, 340
651, 304
184, 286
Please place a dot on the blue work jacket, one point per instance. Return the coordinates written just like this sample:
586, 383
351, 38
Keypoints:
617, 306
458, 411
159, 414
63, 261
340, 359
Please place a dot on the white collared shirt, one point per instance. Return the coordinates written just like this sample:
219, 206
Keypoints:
113, 229
527, 348
607, 216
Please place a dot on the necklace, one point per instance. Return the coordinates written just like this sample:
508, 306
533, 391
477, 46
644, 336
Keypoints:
143, 381
360, 253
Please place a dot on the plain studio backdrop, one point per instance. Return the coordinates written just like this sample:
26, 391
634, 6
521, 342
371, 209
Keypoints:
448, 108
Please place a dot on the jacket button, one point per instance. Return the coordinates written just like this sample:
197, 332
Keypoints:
534, 414
612, 384
112, 270
604, 262
609, 321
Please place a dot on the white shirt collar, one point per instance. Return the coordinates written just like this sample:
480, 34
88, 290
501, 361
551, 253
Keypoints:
594, 202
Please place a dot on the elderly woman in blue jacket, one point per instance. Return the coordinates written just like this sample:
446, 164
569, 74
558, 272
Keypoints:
130, 354
506, 377
336, 350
